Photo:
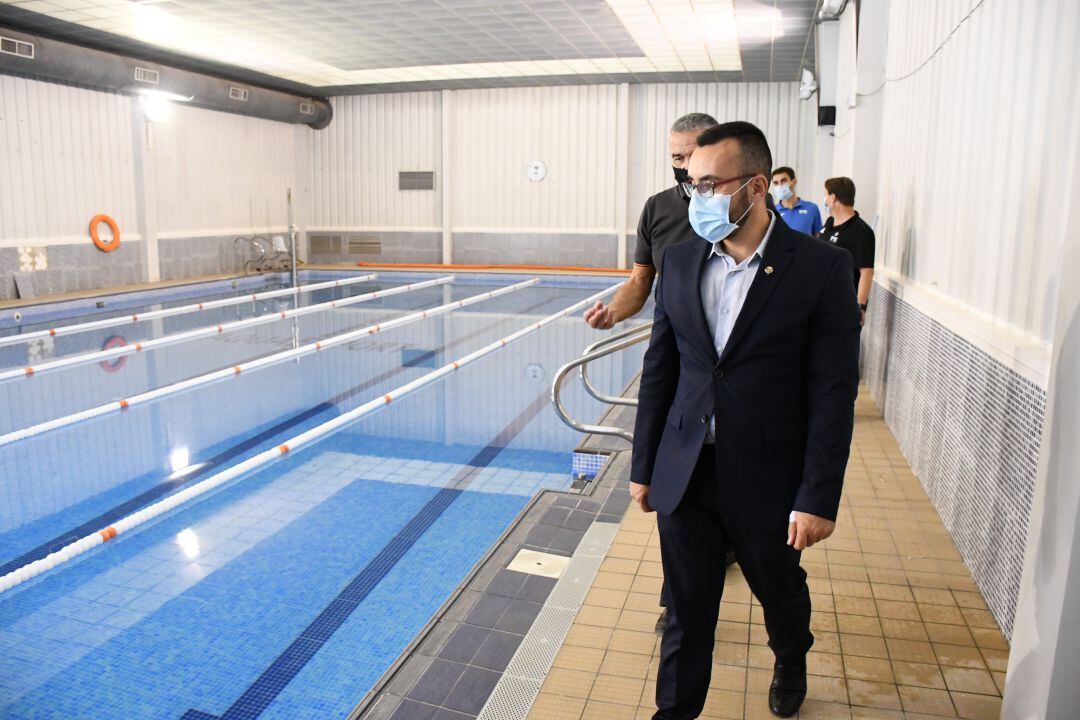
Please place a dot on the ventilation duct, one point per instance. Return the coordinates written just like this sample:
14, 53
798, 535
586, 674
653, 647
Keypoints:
45, 59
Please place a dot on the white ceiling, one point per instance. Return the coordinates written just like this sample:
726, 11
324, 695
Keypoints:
389, 43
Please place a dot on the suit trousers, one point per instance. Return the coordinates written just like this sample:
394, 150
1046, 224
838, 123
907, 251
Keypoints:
693, 543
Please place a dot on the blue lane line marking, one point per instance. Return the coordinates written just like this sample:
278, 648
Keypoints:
289, 663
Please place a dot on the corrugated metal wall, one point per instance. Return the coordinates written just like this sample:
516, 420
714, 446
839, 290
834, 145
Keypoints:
788, 123
66, 155
494, 134
971, 153
357, 158
216, 172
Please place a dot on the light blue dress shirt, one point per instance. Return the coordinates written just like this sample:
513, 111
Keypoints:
724, 285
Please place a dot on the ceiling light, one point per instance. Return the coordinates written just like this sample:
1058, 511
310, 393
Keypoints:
179, 458
760, 23
831, 10
189, 543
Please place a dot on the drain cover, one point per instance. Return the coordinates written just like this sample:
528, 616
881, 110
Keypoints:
539, 563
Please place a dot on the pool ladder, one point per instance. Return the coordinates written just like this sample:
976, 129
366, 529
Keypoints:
602, 348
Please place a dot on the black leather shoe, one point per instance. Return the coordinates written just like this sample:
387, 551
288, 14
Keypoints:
788, 689
661, 622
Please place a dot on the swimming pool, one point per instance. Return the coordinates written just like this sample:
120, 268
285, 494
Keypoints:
288, 592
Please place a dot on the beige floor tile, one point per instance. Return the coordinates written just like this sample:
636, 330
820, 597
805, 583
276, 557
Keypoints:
629, 665
613, 580
823, 663
996, 659
600, 616
855, 606
864, 668
958, 656
969, 680
979, 618
726, 704
571, 683
881, 695
596, 710
630, 641
858, 624
726, 653
863, 645
636, 620
989, 638
556, 707
977, 707
911, 650
756, 707
950, 634
617, 689
573, 657
949, 615
818, 710
728, 677
603, 597
826, 689
926, 700
933, 596
898, 610
864, 713
646, 602
588, 636
918, 674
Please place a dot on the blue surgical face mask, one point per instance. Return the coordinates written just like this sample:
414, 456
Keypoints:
710, 216
780, 193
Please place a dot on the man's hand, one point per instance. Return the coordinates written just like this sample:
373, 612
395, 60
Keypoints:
806, 530
640, 494
599, 316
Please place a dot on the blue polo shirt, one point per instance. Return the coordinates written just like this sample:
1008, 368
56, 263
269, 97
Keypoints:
804, 217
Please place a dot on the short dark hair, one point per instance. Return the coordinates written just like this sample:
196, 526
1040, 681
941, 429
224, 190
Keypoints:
843, 188
786, 170
693, 121
756, 156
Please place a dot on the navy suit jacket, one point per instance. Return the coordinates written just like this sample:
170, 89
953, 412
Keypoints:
783, 391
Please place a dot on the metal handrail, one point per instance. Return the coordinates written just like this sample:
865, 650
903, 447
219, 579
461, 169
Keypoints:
607, 346
583, 370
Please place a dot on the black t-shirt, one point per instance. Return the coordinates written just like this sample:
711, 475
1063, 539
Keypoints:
857, 238
664, 222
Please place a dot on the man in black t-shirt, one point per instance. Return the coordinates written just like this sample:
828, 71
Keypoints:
664, 222
846, 229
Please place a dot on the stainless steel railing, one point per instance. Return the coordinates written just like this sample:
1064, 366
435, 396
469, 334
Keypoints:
602, 348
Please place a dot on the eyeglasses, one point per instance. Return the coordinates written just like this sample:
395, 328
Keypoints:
707, 188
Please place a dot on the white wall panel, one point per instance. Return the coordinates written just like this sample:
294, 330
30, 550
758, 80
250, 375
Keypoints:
971, 154
216, 171
358, 157
787, 122
496, 133
66, 155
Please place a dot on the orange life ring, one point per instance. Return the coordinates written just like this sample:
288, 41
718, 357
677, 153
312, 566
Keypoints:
102, 245
113, 342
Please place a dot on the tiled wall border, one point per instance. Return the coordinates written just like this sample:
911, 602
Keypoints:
971, 429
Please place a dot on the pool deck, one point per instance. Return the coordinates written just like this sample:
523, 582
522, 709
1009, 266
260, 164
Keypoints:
902, 631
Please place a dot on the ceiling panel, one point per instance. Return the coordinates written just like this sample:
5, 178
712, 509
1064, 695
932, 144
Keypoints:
349, 46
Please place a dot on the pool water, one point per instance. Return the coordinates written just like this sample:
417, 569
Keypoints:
289, 592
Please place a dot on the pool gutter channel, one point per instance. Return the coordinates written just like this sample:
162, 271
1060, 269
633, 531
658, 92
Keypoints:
382, 701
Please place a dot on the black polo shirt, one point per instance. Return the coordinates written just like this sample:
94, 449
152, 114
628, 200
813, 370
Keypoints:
857, 238
664, 222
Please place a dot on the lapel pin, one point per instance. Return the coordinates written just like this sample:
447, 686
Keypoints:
768, 270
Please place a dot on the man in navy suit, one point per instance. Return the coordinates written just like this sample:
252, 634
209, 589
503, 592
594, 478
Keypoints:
745, 417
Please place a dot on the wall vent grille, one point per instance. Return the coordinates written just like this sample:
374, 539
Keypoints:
416, 180
11, 46
146, 75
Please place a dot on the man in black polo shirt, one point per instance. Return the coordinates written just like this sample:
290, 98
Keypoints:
664, 222
846, 229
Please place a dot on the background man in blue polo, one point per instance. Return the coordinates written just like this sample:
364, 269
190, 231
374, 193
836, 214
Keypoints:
799, 214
